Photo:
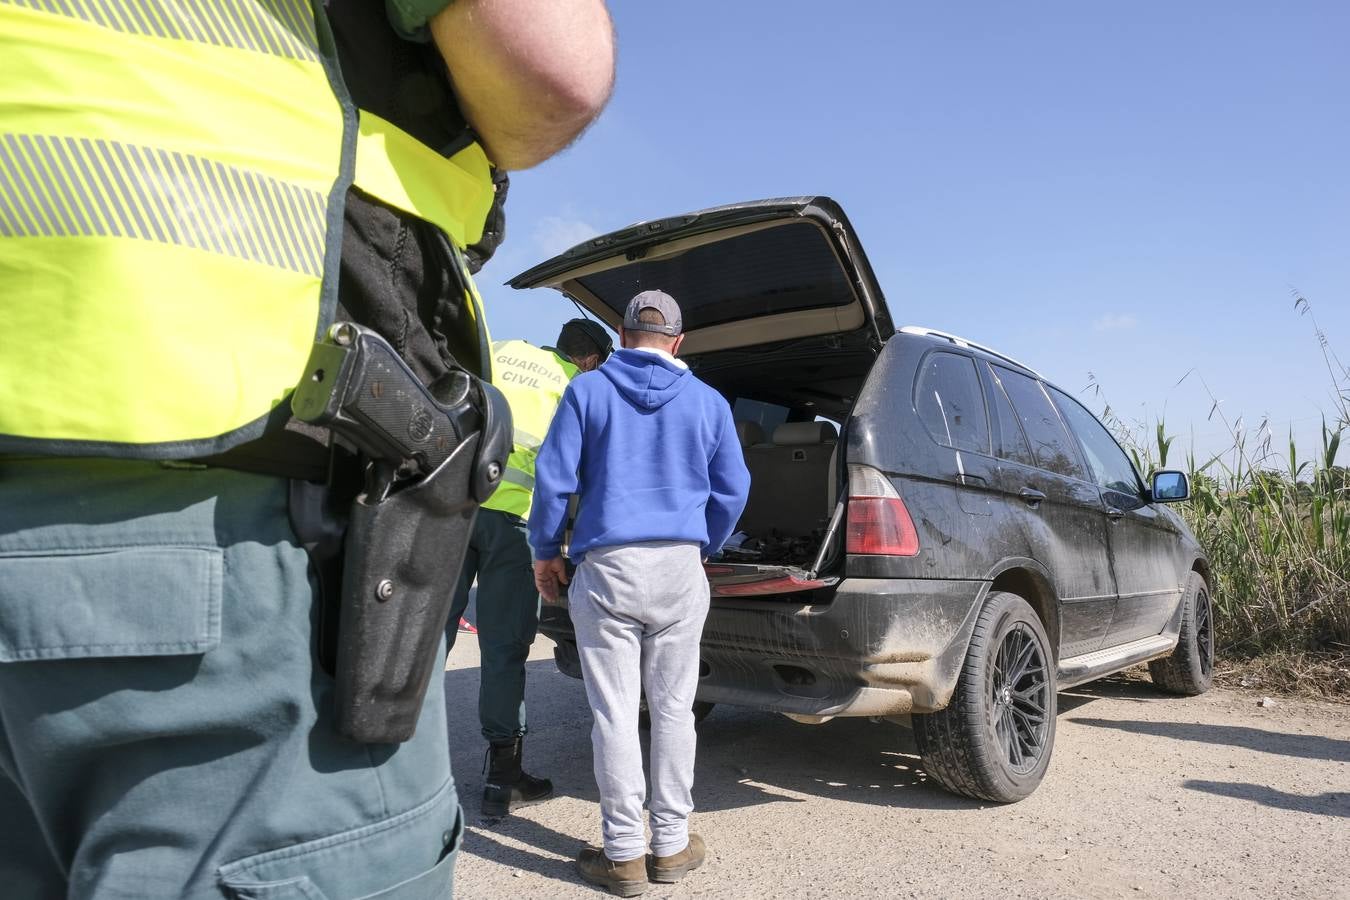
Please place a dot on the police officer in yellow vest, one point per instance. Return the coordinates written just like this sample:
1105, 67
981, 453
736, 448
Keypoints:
533, 381
191, 192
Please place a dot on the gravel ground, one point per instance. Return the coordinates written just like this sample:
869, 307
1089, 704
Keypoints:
1147, 796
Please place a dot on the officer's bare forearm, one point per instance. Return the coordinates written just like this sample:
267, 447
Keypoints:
530, 75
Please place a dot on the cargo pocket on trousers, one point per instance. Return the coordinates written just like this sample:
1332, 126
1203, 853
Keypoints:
359, 864
106, 602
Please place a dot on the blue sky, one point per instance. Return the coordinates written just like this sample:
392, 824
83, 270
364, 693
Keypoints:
1130, 190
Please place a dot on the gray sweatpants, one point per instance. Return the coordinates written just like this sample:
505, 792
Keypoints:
638, 611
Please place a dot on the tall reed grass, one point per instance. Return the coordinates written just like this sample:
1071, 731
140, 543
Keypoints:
1275, 520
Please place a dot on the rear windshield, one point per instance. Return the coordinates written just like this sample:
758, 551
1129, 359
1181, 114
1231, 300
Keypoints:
775, 270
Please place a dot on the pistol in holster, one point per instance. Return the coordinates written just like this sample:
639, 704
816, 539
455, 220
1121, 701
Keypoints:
429, 463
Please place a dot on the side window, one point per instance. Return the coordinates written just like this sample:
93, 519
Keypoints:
950, 402
1111, 468
1050, 440
767, 415
1012, 443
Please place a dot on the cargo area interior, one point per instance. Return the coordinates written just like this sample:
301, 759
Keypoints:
790, 401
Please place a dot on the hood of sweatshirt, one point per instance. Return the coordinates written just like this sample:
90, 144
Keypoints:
645, 379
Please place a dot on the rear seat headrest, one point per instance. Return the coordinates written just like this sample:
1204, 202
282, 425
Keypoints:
749, 433
794, 433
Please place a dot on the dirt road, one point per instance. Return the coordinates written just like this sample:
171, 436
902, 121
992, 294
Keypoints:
1147, 796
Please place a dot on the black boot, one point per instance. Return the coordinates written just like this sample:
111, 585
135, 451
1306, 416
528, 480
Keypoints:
508, 786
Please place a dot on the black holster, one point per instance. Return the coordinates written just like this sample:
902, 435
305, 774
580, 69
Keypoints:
403, 554
387, 561
403, 557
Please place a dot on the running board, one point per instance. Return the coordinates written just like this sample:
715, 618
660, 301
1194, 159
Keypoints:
1078, 669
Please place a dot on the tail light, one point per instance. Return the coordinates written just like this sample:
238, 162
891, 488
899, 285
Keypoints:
878, 523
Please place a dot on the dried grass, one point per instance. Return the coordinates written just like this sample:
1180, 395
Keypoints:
1314, 676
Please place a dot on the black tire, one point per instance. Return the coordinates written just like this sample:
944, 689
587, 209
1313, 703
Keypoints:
701, 710
1190, 668
994, 739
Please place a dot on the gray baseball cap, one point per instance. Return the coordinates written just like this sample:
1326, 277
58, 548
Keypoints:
662, 303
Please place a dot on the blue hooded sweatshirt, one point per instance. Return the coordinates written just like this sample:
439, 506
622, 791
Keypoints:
651, 450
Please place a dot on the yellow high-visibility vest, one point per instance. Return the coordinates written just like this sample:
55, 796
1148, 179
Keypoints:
172, 181
533, 381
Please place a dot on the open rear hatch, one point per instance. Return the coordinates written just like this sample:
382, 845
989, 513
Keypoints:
743, 274
757, 282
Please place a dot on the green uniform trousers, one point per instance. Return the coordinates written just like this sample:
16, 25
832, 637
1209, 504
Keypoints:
165, 729
507, 621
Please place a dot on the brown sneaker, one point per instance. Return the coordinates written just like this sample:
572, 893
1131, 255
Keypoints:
627, 879
667, 869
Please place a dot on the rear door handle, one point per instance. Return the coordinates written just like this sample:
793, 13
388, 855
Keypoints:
1032, 496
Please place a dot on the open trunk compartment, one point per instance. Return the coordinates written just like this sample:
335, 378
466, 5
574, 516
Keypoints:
782, 315
786, 400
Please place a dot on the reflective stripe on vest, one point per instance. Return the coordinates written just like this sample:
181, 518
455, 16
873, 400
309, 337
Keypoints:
533, 381
172, 174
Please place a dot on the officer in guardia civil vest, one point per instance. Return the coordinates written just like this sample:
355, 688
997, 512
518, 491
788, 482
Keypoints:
533, 381
197, 199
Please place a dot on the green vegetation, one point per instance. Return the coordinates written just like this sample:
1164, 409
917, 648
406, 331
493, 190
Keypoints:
1278, 542
1276, 524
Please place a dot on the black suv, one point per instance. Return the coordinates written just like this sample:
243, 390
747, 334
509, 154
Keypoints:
933, 531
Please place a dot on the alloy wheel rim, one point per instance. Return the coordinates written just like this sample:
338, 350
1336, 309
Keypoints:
1020, 699
1204, 631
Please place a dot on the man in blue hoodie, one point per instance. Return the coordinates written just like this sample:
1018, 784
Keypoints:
652, 453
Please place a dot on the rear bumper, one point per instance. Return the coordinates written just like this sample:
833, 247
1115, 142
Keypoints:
881, 647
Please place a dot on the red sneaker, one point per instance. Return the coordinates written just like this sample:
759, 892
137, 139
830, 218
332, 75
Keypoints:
466, 627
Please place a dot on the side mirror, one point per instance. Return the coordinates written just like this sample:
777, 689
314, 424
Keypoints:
1170, 486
